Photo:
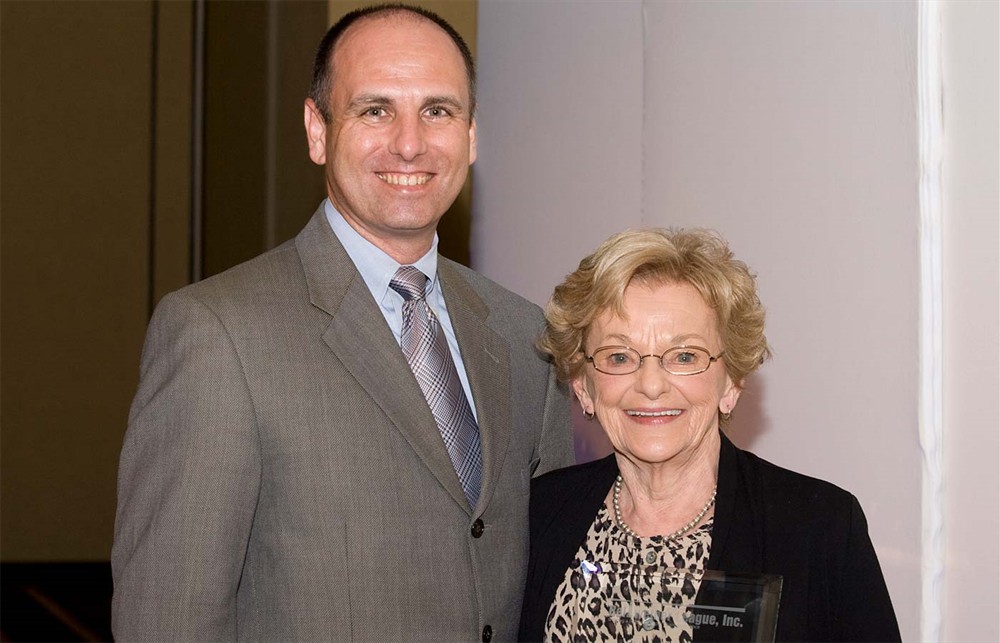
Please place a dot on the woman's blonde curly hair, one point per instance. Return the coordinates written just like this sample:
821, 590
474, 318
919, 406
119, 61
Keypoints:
658, 256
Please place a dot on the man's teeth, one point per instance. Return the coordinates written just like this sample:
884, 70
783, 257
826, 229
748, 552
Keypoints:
404, 179
654, 414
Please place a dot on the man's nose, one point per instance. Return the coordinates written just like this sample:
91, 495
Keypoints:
408, 137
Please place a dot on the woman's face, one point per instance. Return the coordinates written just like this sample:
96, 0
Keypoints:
651, 416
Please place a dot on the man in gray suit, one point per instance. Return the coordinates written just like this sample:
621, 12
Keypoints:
284, 476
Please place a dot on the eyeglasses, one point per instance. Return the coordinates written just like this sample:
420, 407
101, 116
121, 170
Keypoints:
679, 360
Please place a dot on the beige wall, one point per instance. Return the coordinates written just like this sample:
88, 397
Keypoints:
97, 120
170, 241
100, 125
260, 186
101, 121
76, 213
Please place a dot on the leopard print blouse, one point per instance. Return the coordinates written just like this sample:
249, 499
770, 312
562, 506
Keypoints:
617, 588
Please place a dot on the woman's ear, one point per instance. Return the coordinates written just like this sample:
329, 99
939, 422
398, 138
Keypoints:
579, 385
730, 396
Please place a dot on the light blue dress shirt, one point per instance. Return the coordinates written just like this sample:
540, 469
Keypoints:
377, 269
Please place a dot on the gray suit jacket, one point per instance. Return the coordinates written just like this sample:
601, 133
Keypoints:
282, 477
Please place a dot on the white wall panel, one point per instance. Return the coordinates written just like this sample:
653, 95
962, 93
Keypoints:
971, 320
790, 127
560, 122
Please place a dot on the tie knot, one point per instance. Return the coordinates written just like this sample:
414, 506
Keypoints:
409, 282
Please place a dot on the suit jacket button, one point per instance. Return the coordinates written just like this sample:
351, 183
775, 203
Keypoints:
477, 531
487, 634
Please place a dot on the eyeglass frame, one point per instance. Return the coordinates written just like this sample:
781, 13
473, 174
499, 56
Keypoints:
711, 359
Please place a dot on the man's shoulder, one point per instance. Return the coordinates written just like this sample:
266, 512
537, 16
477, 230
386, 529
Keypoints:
273, 275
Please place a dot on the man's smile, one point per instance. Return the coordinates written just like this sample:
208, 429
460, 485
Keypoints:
404, 179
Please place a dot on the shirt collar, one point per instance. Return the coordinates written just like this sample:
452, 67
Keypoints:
374, 265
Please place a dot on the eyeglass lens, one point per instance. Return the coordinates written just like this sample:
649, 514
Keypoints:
681, 360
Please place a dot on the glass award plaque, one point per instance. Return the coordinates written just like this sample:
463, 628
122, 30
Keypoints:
736, 607
653, 603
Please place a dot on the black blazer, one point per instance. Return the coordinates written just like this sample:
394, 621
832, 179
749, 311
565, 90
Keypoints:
767, 520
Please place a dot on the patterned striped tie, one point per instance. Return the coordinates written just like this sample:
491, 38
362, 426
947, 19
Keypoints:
427, 353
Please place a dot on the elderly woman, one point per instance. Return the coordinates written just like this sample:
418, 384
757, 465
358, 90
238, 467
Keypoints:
657, 332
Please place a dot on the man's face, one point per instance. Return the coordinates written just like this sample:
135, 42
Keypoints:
401, 137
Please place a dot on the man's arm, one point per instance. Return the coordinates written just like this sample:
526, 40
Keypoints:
555, 444
187, 484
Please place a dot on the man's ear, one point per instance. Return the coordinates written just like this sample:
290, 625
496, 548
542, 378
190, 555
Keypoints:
472, 142
315, 132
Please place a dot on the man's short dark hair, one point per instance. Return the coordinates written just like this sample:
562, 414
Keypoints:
319, 92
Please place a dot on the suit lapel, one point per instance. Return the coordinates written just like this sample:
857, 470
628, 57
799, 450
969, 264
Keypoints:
361, 340
487, 363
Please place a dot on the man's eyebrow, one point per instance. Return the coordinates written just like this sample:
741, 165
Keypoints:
366, 100
448, 101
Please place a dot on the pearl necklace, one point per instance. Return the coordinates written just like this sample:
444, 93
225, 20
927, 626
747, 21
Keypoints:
616, 503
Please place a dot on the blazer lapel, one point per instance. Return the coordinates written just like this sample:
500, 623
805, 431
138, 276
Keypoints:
487, 363
736, 504
359, 337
